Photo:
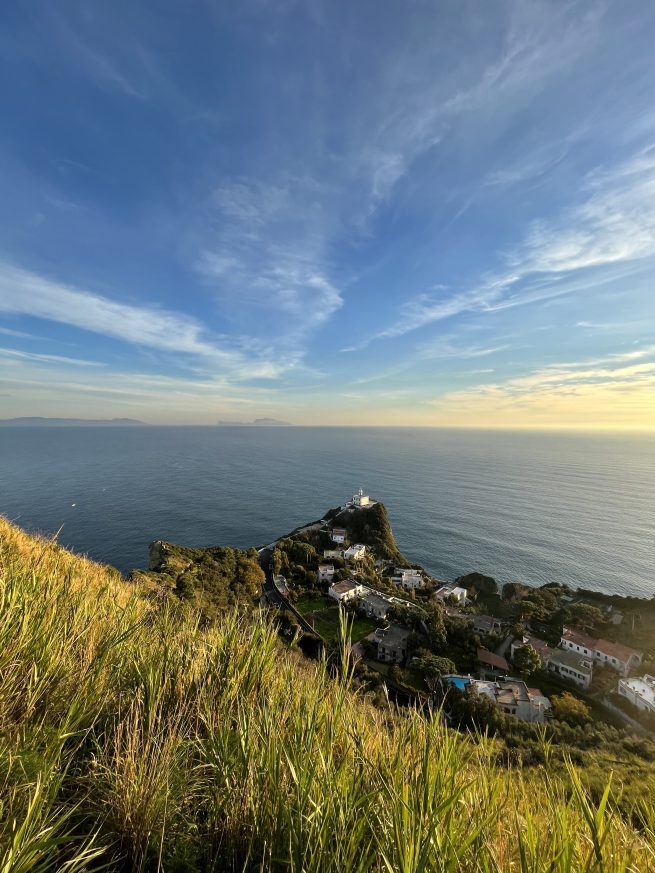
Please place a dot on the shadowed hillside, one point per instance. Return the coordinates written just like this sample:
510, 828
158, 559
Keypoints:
132, 739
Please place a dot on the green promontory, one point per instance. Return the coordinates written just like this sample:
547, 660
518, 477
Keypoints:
214, 579
370, 526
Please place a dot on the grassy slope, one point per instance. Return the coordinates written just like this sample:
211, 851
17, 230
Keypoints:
128, 737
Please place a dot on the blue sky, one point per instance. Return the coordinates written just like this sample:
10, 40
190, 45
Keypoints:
435, 213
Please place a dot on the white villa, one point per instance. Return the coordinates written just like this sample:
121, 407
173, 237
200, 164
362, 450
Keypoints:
621, 658
446, 591
511, 695
641, 692
571, 665
338, 535
325, 572
575, 641
344, 592
407, 578
355, 552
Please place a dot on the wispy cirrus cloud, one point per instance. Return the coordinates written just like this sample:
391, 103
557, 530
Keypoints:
421, 111
450, 350
19, 334
48, 359
267, 238
27, 293
269, 251
613, 224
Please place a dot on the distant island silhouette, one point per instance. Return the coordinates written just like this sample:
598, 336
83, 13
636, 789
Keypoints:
257, 422
40, 421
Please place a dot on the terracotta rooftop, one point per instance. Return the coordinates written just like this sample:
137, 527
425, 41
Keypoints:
579, 639
487, 657
616, 650
541, 648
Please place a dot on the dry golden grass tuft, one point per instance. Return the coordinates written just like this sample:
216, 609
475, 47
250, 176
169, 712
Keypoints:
132, 738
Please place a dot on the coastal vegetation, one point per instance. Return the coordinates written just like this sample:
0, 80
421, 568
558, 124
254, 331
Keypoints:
136, 735
372, 528
212, 579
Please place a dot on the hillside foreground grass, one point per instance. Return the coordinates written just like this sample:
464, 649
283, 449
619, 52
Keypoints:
132, 737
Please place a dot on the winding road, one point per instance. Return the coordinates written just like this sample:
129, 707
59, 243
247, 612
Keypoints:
273, 595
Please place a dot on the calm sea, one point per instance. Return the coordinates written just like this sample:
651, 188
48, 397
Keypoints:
540, 507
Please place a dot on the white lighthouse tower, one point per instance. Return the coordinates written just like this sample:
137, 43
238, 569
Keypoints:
360, 499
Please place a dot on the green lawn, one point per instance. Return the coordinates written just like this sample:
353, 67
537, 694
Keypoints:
323, 613
361, 628
311, 603
326, 622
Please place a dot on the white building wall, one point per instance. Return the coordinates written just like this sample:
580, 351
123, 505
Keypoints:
574, 647
641, 692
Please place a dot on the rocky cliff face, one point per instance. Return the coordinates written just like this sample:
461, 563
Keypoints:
156, 554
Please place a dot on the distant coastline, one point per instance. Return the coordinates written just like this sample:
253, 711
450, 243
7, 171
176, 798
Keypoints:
40, 421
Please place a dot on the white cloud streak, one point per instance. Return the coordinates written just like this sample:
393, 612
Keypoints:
614, 224
26, 293
623, 373
47, 359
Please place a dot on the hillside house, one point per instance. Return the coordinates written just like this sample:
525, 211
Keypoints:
325, 572
392, 643
572, 666
376, 605
541, 648
578, 642
512, 696
621, 658
338, 535
346, 591
458, 594
486, 624
409, 579
355, 553
332, 553
491, 664
640, 692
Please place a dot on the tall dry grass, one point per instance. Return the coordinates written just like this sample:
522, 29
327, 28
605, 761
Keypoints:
130, 738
